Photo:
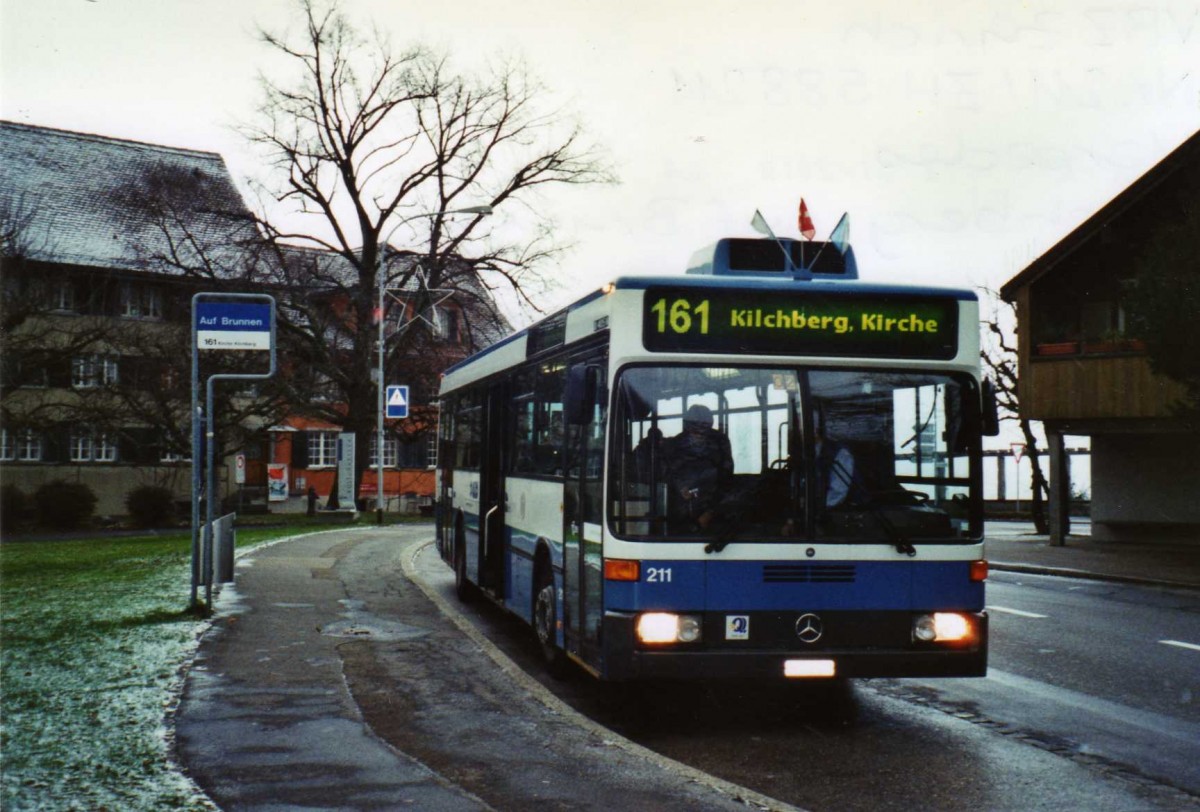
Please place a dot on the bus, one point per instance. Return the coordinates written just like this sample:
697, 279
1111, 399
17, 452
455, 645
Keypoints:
841, 533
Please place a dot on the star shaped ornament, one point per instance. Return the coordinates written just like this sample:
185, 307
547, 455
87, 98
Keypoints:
432, 298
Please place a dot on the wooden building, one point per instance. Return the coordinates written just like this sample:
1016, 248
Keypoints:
1083, 370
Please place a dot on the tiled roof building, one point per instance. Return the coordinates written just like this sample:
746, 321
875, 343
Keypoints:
81, 195
106, 238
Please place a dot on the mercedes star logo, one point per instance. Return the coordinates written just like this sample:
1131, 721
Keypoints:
809, 628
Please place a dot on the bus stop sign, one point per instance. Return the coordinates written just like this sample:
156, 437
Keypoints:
237, 325
397, 401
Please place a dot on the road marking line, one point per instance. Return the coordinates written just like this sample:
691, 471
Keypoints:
1017, 612
1192, 646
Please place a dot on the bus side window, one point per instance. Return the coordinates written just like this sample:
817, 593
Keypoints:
522, 456
470, 431
524, 415
549, 419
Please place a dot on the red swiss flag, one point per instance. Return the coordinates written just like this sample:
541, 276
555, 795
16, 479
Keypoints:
807, 229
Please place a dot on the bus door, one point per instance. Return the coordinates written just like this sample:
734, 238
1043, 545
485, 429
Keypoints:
583, 506
491, 490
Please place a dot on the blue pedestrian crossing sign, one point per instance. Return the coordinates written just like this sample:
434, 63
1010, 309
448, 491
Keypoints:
397, 401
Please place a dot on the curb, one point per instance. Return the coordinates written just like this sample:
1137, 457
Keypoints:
1064, 572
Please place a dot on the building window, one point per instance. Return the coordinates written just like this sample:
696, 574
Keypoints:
89, 446
12, 288
8, 446
89, 371
140, 301
1100, 320
174, 456
62, 296
29, 446
104, 448
18, 372
415, 452
390, 452
449, 326
431, 449
34, 377
322, 448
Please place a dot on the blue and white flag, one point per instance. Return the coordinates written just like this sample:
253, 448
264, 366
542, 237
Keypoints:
840, 236
759, 224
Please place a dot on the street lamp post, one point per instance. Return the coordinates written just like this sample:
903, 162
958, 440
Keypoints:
380, 274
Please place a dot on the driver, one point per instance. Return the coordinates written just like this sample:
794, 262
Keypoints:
699, 468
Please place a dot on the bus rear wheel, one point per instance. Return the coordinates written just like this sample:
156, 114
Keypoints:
463, 589
545, 624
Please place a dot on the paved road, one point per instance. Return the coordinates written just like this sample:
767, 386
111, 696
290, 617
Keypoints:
888, 745
1100, 672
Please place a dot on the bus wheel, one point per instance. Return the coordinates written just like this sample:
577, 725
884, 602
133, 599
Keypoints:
545, 623
464, 589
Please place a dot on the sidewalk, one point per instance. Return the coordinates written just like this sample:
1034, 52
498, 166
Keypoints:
1016, 547
331, 681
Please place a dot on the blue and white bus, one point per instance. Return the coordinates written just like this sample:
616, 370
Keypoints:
557, 500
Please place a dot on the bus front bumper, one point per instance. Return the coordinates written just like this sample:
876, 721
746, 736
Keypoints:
626, 660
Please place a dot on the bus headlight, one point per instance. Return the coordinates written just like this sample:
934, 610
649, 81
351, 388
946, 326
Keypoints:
689, 628
668, 627
942, 627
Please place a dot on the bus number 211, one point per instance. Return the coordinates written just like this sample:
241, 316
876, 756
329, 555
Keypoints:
658, 575
680, 316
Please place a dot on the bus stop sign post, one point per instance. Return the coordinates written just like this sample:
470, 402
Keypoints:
220, 322
394, 406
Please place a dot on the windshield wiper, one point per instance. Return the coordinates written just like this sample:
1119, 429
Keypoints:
902, 544
718, 544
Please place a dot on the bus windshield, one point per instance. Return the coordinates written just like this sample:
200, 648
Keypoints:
780, 454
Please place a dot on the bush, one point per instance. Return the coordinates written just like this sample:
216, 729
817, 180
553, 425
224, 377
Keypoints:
14, 508
150, 506
63, 505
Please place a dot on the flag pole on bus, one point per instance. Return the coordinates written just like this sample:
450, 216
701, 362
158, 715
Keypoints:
759, 223
839, 238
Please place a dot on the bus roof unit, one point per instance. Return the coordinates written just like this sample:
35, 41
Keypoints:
786, 258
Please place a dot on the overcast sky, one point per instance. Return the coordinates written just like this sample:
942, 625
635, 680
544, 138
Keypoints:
964, 138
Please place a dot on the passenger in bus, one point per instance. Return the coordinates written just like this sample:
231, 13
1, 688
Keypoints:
837, 476
647, 456
699, 470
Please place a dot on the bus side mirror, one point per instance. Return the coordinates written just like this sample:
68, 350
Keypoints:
579, 395
989, 414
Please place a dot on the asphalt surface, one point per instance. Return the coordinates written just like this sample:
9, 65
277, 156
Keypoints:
329, 679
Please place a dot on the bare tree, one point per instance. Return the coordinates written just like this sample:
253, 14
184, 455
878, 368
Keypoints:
195, 233
999, 354
367, 143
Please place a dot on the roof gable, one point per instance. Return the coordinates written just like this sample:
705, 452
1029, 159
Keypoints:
1186, 154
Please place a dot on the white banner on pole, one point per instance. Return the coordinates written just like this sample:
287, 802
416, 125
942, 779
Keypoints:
345, 462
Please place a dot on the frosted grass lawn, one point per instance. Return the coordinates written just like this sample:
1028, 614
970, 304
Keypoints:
93, 634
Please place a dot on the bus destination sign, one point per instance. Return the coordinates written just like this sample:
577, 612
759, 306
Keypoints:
799, 323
